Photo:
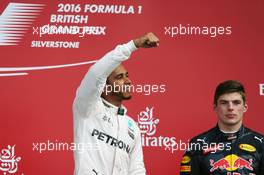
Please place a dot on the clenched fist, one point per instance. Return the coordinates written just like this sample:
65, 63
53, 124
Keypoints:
147, 41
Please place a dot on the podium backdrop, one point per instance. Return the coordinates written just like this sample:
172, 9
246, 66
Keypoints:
47, 47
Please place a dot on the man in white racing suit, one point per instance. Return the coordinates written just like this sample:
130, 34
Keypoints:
109, 141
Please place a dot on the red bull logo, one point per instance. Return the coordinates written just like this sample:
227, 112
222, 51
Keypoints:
231, 163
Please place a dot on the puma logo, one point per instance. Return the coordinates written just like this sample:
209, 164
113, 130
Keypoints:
260, 139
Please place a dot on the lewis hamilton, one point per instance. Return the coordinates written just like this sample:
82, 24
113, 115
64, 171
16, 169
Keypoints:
100, 119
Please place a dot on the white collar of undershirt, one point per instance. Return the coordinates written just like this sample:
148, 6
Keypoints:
228, 132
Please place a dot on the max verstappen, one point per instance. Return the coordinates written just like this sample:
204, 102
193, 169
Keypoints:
237, 150
100, 118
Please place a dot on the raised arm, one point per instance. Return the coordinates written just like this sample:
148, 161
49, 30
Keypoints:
89, 92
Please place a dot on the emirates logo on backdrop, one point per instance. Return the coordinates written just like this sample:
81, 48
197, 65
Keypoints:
147, 124
8, 160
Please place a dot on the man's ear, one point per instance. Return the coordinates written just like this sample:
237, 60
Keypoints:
245, 107
214, 107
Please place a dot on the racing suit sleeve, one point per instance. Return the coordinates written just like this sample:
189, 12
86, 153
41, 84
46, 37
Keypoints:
190, 163
89, 92
136, 165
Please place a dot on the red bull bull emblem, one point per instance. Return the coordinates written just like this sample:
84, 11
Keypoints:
231, 163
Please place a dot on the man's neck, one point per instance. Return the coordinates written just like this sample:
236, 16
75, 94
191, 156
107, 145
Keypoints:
113, 101
229, 128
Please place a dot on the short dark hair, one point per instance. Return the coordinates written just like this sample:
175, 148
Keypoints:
229, 86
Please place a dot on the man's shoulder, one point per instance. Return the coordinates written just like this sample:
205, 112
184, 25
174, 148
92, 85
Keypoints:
253, 136
204, 136
130, 119
131, 122
253, 132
